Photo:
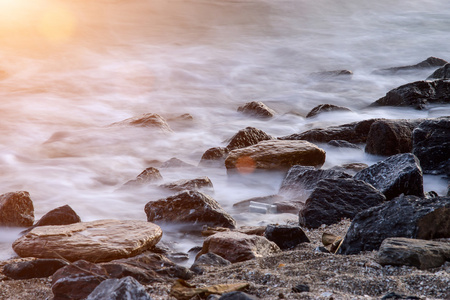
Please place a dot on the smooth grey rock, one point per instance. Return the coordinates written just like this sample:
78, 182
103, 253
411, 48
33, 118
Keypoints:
126, 288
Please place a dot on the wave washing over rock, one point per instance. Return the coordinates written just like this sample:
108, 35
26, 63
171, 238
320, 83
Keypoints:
109, 106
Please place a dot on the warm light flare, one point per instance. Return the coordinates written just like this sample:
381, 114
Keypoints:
57, 24
245, 165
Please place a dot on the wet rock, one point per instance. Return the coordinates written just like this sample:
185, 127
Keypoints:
431, 145
274, 155
16, 209
321, 108
398, 174
148, 120
214, 156
257, 109
191, 207
247, 137
77, 280
149, 175
33, 269
405, 216
175, 163
207, 260
335, 199
62, 215
98, 241
236, 295
335, 74
286, 236
236, 247
355, 132
197, 184
430, 62
418, 94
389, 137
422, 254
343, 144
441, 73
351, 168
126, 288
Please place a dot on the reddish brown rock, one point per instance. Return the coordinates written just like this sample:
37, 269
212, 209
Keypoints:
16, 209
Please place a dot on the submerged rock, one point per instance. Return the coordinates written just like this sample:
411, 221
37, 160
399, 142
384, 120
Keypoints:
175, 163
197, 184
325, 108
257, 109
335, 74
343, 144
214, 156
148, 120
149, 175
441, 73
430, 62
247, 137
16, 209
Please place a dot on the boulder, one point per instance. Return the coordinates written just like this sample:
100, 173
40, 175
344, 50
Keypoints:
148, 120
430, 62
126, 288
335, 199
214, 156
175, 163
417, 94
422, 254
257, 109
77, 280
237, 247
321, 108
431, 145
16, 209
191, 207
389, 137
285, 236
274, 155
355, 132
441, 73
38, 268
343, 144
398, 174
102, 240
62, 215
405, 216
149, 175
197, 184
247, 137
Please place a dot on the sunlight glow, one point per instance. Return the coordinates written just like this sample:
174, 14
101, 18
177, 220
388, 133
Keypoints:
57, 24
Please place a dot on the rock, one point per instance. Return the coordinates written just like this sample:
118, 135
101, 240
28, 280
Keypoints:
147, 120
77, 280
286, 236
266, 200
126, 288
236, 247
207, 260
33, 269
335, 199
431, 145
300, 181
343, 144
336, 74
149, 175
175, 163
441, 73
62, 215
389, 137
16, 209
300, 288
182, 290
191, 207
417, 94
405, 216
355, 132
398, 174
98, 241
197, 184
430, 62
351, 168
257, 109
274, 155
214, 156
247, 137
321, 108
236, 295
422, 254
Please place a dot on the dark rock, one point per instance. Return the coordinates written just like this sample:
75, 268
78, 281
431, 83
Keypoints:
197, 184
430, 62
175, 163
398, 174
321, 108
441, 73
120, 270
335, 199
422, 254
62, 215
405, 216
214, 156
191, 207
355, 132
16, 209
351, 168
237, 296
343, 144
389, 137
149, 175
417, 94
285, 236
394, 295
207, 260
33, 269
247, 137
300, 288
431, 145
126, 288
77, 280
148, 120
257, 109
336, 74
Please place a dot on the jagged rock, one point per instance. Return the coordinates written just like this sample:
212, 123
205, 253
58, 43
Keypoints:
207, 260
389, 137
236, 247
285, 236
398, 174
175, 163
257, 109
417, 94
126, 288
422, 254
149, 175
355, 132
149, 120
430, 62
405, 216
441, 73
101, 240
247, 137
274, 155
336, 74
335, 199
197, 184
431, 145
321, 108
214, 156
191, 207
343, 144
16, 209
33, 269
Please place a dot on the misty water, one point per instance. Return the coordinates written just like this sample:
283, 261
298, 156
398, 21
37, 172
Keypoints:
112, 60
